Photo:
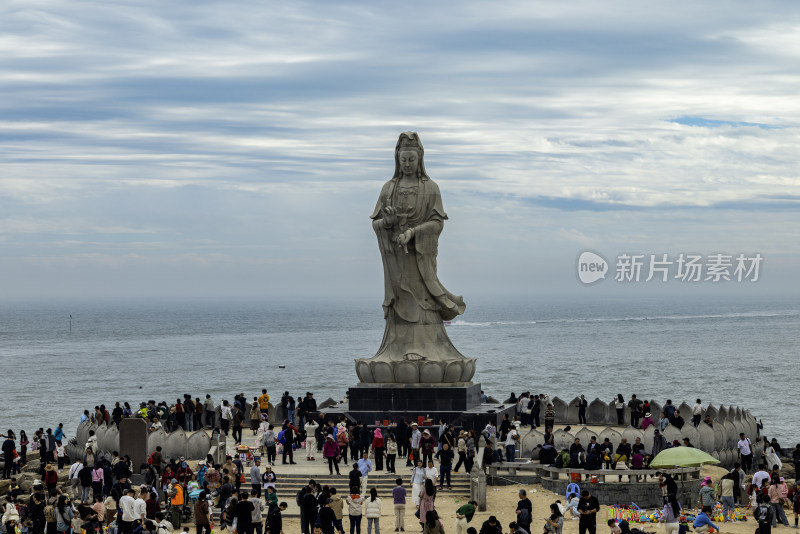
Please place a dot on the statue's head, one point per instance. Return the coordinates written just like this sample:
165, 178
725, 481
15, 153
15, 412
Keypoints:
409, 147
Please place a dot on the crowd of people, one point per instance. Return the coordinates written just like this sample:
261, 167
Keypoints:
99, 491
192, 414
624, 455
532, 409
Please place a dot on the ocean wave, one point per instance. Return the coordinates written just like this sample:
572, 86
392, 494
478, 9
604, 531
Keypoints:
633, 318
459, 322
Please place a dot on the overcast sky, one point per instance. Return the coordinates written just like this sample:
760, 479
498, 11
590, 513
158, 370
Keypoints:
238, 148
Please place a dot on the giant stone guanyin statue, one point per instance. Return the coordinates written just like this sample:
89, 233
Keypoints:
408, 219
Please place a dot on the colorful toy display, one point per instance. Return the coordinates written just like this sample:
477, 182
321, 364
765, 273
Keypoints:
633, 514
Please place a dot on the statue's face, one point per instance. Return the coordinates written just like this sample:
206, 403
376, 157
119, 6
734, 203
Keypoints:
409, 162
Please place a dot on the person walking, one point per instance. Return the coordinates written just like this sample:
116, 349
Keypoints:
776, 498
445, 456
237, 422
288, 433
427, 444
745, 452
309, 508
414, 440
391, 453
258, 511
524, 511
378, 447
461, 445
203, 518
364, 467
426, 501
255, 479
707, 495
671, 515
343, 440
330, 451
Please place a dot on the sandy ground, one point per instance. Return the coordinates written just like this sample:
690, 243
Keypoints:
501, 502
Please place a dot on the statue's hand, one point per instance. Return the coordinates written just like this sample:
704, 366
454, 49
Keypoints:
389, 216
404, 238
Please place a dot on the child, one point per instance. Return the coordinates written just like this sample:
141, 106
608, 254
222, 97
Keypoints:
61, 454
272, 499
613, 527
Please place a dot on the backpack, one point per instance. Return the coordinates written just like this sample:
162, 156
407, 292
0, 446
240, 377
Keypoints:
49, 513
300, 494
150, 458
281, 438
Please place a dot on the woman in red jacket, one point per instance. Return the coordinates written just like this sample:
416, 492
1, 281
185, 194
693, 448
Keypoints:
379, 447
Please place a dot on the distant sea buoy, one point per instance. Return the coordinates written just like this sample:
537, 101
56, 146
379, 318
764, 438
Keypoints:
281, 367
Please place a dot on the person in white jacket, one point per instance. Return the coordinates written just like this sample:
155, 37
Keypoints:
373, 511
11, 514
354, 503
311, 438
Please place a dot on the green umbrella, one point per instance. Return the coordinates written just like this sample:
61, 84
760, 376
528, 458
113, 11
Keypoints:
682, 457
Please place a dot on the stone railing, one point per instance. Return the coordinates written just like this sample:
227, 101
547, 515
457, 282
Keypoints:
611, 486
195, 445
719, 441
174, 444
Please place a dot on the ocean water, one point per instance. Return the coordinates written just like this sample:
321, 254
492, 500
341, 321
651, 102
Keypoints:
725, 351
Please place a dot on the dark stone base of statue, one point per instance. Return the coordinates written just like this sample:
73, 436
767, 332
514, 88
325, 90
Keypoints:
415, 398
456, 404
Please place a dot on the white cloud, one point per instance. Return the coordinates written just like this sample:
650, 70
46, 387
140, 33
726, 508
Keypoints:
266, 131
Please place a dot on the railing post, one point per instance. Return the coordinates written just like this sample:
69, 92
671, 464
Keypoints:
477, 487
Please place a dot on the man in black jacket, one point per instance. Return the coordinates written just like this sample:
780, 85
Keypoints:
309, 506
536, 406
401, 433
327, 517
524, 511
122, 469
274, 523
288, 437
311, 403
491, 526
244, 514
445, 456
